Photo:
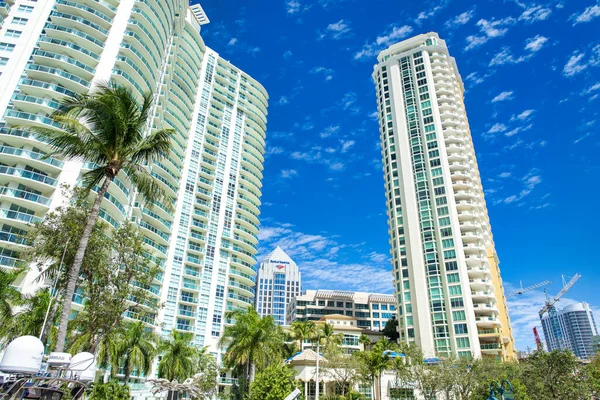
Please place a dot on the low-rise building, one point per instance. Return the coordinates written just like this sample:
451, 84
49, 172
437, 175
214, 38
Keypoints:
371, 310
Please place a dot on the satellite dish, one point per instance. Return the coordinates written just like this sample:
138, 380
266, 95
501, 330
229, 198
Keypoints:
23, 356
83, 367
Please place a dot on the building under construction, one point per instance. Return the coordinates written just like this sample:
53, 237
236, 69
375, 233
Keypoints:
571, 328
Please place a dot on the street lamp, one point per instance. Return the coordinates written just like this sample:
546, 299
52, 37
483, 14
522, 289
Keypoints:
504, 389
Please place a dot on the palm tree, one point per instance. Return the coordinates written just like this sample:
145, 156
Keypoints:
179, 357
374, 362
252, 341
9, 295
303, 330
29, 319
108, 128
137, 349
328, 337
365, 341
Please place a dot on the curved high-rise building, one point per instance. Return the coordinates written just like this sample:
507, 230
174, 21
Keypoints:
446, 273
56, 48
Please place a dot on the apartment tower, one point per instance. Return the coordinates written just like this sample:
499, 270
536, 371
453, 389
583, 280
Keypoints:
446, 273
572, 328
277, 283
206, 247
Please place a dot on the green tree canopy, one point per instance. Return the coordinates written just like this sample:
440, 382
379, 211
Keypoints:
109, 128
275, 382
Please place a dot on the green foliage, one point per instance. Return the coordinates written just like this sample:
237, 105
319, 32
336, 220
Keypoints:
555, 375
179, 357
29, 318
136, 349
303, 330
110, 391
275, 382
252, 342
118, 274
390, 330
9, 296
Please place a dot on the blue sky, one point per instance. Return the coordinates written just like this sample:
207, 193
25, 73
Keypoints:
532, 74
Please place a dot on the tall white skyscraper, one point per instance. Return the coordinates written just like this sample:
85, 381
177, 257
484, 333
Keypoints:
277, 283
446, 275
56, 48
571, 328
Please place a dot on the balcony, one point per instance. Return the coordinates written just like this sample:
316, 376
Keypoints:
28, 178
38, 160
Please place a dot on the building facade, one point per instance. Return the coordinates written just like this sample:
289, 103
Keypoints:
371, 310
278, 281
446, 275
571, 328
56, 48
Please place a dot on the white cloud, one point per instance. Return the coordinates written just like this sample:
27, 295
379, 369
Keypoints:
283, 100
497, 127
348, 103
347, 144
424, 15
504, 175
293, 7
326, 72
523, 116
587, 15
393, 34
574, 65
273, 150
593, 88
288, 173
337, 30
488, 30
518, 129
585, 136
460, 19
507, 95
232, 42
505, 56
287, 55
330, 130
535, 43
535, 13
475, 79
578, 63
319, 259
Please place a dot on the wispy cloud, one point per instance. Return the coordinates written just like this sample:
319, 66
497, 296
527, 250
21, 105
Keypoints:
579, 62
522, 116
532, 45
329, 131
504, 96
326, 72
488, 30
338, 30
535, 13
586, 15
288, 173
432, 12
392, 34
460, 19
321, 259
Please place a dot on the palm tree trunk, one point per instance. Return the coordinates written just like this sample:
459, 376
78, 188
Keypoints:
252, 371
74, 271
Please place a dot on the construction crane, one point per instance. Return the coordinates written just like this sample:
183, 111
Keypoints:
528, 288
538, 341
556, 325
566, 286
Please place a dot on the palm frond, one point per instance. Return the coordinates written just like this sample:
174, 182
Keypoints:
153, 147
147, 185
93, 178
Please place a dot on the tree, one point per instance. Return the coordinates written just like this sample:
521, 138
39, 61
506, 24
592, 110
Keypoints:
208, 374
303, 330
391, 329
555, 375
108, 128
365, 341
428, 379
9, 295
110, 391
29, 319
372, 364
252, 341
328, 338
342, 368
136, 349
53, 245
117, 281
276, 382
179, 357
